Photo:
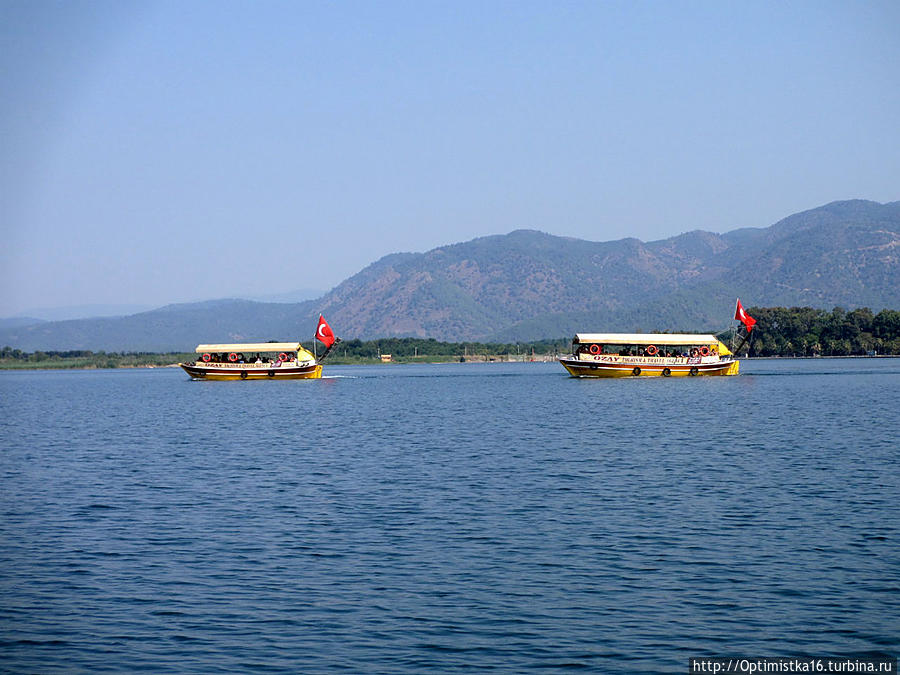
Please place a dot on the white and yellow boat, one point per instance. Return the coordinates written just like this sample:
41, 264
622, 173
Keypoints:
254, 361
648, 354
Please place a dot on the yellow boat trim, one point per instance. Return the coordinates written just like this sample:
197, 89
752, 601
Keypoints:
254, 374
648, 368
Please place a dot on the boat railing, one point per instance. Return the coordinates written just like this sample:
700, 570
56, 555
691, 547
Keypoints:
217, 360
646, 358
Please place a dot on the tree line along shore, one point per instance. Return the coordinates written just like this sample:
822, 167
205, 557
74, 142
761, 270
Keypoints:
779, 331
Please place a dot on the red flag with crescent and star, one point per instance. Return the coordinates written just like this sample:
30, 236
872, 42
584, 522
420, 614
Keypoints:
741, 315
323, 332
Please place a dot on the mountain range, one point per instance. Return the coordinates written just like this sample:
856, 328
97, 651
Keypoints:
528, 285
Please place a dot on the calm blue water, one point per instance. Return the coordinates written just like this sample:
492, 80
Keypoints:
429, 519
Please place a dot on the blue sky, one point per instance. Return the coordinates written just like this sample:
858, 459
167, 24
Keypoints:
158, 152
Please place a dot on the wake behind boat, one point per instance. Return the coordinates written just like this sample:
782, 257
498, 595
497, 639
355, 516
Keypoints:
261, 360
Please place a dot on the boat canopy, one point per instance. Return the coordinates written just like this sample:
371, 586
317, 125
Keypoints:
251, 347
680, 339
645, 339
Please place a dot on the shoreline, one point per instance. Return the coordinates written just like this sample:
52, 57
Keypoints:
451, 360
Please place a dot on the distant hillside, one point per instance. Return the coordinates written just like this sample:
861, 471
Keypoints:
172, 328
18, 322
528, 285
80, 312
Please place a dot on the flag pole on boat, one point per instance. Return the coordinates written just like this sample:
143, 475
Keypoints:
741, 315
325, 335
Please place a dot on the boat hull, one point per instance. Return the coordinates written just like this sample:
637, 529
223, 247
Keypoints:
251, 371
649, 367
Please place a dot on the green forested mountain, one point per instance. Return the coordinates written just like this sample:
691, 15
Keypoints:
528, 285
804, 331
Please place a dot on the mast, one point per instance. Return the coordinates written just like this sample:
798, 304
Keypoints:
328, 350
747, 328
737, 352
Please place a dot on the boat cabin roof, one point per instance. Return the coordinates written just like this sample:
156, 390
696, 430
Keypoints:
250, 347
644, 339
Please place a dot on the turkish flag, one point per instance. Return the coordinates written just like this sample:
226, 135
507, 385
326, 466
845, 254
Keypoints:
323, 332
743, 317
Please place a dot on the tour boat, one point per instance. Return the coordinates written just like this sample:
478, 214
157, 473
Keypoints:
261, 360
254, 361
648, 354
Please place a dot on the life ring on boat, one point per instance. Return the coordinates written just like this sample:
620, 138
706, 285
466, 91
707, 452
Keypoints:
243, 374
271, 373
594, 349
282, 357
694, 371
232, 357
206, 358
636, 371
695, 352
704, 351
666, 372
652, 350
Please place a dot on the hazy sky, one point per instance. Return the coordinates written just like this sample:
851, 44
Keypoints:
157, 152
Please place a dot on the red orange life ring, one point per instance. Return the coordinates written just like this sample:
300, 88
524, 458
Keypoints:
232, 357
652, 350
704, 351
282, 357
206, 358
594, 349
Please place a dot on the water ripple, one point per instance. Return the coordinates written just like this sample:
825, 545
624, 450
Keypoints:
499, 518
